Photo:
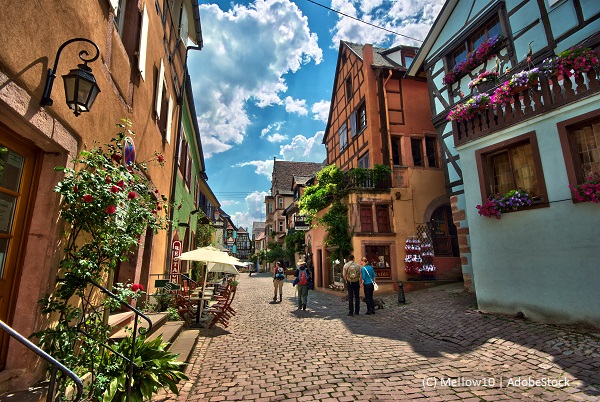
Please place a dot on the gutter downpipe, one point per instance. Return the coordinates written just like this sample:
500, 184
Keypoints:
176, 156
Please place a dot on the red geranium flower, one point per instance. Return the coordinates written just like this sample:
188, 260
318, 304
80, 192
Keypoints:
121, 184
160, 158
131, 195
136, 286
107, 179
88, 198
114, 189
110, 210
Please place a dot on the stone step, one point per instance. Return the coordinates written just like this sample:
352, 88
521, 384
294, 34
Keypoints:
158, 319
184, 344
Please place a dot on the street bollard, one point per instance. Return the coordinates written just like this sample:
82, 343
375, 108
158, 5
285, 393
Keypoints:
401, 298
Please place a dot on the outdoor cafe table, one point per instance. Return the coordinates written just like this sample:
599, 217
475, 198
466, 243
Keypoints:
201, 298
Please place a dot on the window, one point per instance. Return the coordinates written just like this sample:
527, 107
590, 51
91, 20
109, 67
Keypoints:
349, 90
396, 155
358, 119
515, 164
366, 218
383, 218
363, 161
491, 29
580, 141
280, 202
417, 152
270, 207
343, 131
431, 151
280, 226
408, 61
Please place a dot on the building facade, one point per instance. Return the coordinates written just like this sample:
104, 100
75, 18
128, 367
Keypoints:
378, 117
540, 259
140, 69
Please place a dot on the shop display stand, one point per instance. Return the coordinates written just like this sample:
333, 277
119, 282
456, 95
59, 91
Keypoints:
419, 255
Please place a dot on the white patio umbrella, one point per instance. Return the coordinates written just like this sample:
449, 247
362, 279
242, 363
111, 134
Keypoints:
221, 267
209, 255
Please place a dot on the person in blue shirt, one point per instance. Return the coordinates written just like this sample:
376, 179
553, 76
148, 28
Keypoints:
367, 278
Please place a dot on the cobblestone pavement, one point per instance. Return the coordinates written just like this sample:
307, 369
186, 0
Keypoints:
436, 347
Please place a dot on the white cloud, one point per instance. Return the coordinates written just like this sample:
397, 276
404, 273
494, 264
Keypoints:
277, 138
321, 110
247, 52
271, 127
411, 18
226, 203
297, 106
262, 167
303, 149
255, 211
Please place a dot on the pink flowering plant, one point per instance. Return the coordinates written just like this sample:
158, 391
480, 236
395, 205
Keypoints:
484, 52
589, 190
497, 204
106, 207
468, 109
504, 93
484, 77
571, 62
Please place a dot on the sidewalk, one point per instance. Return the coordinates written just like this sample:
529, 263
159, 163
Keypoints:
436, 347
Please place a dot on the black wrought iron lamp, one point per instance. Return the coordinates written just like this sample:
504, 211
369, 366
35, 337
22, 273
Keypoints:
81, 88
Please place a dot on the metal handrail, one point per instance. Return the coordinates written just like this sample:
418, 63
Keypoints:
55, 363
137, 313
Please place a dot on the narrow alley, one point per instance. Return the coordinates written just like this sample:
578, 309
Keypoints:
436, 347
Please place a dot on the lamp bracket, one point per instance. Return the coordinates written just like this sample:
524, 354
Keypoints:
46, 100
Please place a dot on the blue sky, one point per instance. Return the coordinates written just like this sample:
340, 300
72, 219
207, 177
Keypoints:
262, 83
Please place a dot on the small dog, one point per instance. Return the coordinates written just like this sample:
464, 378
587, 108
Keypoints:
378, 302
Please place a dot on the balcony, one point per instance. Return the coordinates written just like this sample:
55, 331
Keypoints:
368, 179
548, 94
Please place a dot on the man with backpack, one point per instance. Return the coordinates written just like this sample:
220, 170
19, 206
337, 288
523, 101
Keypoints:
351, 275
304, 279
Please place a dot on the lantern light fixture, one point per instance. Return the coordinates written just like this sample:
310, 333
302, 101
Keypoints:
80, 85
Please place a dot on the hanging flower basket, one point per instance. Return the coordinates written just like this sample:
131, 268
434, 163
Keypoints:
468, 110
485, 81
571, 62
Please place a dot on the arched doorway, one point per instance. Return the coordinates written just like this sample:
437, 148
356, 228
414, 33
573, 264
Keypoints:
443, 233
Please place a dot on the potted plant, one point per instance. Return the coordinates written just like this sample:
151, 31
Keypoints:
511, 201
485, 81
589, 190
516, 84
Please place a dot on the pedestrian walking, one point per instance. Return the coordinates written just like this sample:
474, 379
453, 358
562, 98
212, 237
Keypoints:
351, 275
303, 281
278, 278
367, 279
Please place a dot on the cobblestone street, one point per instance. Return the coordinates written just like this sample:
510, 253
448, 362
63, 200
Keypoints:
436, 347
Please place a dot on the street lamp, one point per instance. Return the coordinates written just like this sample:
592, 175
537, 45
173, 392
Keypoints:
81, 88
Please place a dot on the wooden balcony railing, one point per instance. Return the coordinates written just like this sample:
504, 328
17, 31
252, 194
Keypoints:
548, 94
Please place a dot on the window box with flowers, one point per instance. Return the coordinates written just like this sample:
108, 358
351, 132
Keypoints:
571, 62
516, 84
468, 110
484, 52
589, 190
498, 204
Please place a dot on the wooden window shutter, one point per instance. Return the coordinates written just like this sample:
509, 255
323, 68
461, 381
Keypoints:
353, 123
143, 43
160, 81
169, 119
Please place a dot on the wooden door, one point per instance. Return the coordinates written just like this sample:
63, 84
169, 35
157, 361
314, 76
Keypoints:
17, 171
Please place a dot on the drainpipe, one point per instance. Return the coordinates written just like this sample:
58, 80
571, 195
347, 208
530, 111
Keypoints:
176, 157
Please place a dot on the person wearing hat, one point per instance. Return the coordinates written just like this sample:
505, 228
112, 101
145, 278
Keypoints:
302, 275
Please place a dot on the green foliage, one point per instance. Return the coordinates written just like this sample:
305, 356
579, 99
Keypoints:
274, 252
293, 244
339, 235
163, 299
106, 207
155, 369
173, 314
381, 173
203, 232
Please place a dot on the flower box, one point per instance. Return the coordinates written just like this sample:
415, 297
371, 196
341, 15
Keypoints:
589, 190
498, 204
479, 56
